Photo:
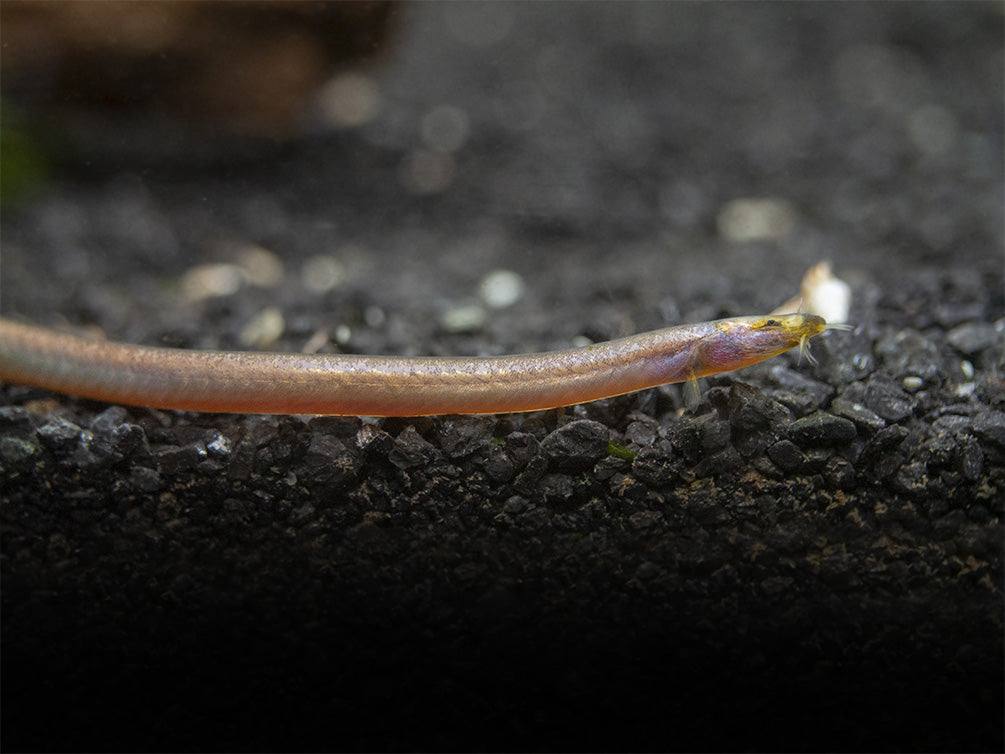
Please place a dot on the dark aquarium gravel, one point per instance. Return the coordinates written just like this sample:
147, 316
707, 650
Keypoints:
810, 559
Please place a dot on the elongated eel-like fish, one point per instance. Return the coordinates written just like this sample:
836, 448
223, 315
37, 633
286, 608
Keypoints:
282, 383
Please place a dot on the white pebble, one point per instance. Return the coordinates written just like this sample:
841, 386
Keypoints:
464, 318
756, 219
263, 329
501, 288
211, 281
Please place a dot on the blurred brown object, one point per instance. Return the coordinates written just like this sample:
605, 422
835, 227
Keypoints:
248, 68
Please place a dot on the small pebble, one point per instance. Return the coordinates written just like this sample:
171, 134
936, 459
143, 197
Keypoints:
461, 436
882, 397
756, 219
641, 433
329, 461
15, 417
349, 100
130, 440
840, 474
144, 479
990, 427
694, 435
318, 340
342, 334
464, 319
263, 329
106, 422
953, 423
15, 450
373, 439
786, 455
211, 281
174, 459
970, 459
912, 478
910, 353
953, 314
889, 437
798, 383
411, 450
973, 337
577, 445
322, 273
497, 463
751, 410
219, 446
822, 429
260, 266
857, 413
501, 288
652, 466
59, 433
965, 389
374, 316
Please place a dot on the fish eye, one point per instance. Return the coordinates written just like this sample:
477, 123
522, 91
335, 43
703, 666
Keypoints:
771, 323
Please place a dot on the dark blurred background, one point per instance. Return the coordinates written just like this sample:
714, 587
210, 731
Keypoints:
487, 178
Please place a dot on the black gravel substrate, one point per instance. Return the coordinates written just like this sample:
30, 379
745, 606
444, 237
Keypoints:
810, 560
